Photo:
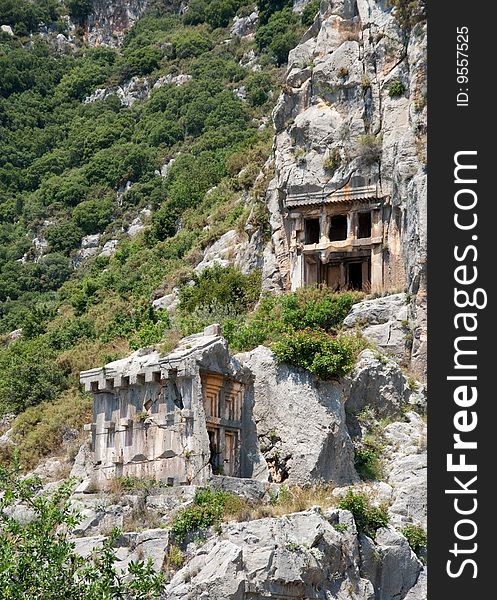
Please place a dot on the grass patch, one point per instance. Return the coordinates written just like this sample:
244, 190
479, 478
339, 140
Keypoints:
40, 431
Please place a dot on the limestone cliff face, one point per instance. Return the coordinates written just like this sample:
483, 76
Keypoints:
110, 19
353, 109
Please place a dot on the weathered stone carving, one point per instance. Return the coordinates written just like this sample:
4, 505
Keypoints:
178, 418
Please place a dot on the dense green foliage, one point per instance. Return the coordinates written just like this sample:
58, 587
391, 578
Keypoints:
417, 538
367, 462
69, 169
310, 11
279, 35
318, 352
208, 508
24, 16
368, 518
317, 308
37, 557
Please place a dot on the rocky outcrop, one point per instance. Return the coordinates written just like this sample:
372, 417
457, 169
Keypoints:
405, 462
300, 422
110, 19
243, 250
386, 322
245, 26
381, 385
137, 89
353, 109
307, 554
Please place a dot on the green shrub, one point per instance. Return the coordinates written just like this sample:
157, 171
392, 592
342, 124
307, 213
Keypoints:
217, 13
309, 13
226, 286
269, 7
318, 352
64, 237
258, 86
367, 462
227, 315
396, 88
93, 216
417, 538
38, 555
368, 518
209, 507
306, 308
29, 375
70, 332
316, 307
279, 35
191, 43
333, 161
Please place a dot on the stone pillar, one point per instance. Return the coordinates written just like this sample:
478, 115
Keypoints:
351, 225
297, 270
343, 279
324, 227
365, 272
376, 224
377, 269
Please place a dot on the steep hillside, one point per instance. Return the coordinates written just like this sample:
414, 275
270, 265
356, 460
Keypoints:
154, 157
174, 136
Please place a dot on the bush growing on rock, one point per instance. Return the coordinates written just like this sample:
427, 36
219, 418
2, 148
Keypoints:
318, 352
396, 88
209, 507
367, 462
368, 518
417, 538
227, 286
306, 308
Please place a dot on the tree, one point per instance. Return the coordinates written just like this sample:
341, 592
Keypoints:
269, 7
93, 216
79, 9
37, 556
64, 237
278, 36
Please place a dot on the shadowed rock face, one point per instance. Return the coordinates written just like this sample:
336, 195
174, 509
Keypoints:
110, 19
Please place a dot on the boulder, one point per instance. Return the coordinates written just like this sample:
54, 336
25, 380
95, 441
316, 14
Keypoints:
405, 467
300, 422
380, 384
298, 555
244, 26
109, 248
